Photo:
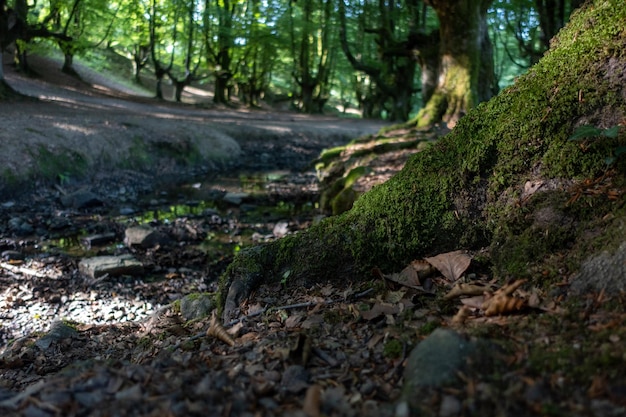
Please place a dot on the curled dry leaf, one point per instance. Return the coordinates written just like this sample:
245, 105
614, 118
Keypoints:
461, 315
503, 304
474, 288
218, 331
452, 265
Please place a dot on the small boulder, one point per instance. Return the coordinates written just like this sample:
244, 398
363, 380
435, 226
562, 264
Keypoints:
112, 265
145, 236
235, 198
81, 199
196, 306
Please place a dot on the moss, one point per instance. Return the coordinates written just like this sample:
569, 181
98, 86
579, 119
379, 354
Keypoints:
52, 165
392, 349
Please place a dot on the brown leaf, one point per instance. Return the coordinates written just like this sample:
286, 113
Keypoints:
474, 302
474, 288
217, 331
312, 400
452, 265
379, 309
422, 268
503, 304
461, 315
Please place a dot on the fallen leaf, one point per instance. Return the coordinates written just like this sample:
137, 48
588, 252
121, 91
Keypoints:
312, 400
379, 309
503, 304
461, 315
474, 288
474, 302
452, 265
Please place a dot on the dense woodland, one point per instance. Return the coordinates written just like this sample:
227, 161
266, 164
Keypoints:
388, 58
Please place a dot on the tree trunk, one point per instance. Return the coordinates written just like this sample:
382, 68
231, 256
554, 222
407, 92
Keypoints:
68, 64
159, 73
463, 43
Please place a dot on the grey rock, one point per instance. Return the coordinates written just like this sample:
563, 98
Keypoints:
98, 240
605, 271
145, 236
112, 265
436, 360
195, 306
81, 199
235, 198
58, 331
127, 211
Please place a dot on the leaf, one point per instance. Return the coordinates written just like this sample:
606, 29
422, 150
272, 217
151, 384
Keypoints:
452, 265
409, 276
611, 132
474, 288
586, 131
379, 309
503, 304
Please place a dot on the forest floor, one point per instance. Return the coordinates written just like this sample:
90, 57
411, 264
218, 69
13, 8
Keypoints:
75, 344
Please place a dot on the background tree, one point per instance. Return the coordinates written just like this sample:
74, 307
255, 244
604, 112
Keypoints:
382, 42
219, 37
257, 57
163, 31
312, 25
192, 48
465, 70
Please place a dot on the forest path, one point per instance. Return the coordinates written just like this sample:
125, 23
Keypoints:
97, 117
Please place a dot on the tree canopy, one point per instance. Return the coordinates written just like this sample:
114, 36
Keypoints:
428, 60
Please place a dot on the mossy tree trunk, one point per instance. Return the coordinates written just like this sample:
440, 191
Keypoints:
465, 71
467, 191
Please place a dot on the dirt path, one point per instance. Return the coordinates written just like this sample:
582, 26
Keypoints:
103, 126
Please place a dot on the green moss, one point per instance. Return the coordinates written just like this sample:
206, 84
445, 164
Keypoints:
52, 165
392, 349
428, 328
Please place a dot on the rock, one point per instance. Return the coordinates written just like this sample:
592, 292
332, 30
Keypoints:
13, 255
235, 198
81, 199
126, 211
602, 272
436, 360
98, 240
196, 306
58, 331
113, 265
145, 236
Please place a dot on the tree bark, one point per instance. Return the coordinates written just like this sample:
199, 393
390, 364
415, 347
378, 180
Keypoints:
464, 77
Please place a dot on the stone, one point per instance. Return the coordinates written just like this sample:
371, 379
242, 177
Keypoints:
112, 265
196, 306
81, 199
58, 331
602, 272
98, 240
437, 359
235, 198
145, 236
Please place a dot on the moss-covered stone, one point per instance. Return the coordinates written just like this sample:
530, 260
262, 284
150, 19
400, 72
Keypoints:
466, 191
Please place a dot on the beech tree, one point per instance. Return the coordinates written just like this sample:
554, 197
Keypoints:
465, 71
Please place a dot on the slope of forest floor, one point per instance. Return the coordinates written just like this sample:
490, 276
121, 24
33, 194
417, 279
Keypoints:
140, 343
